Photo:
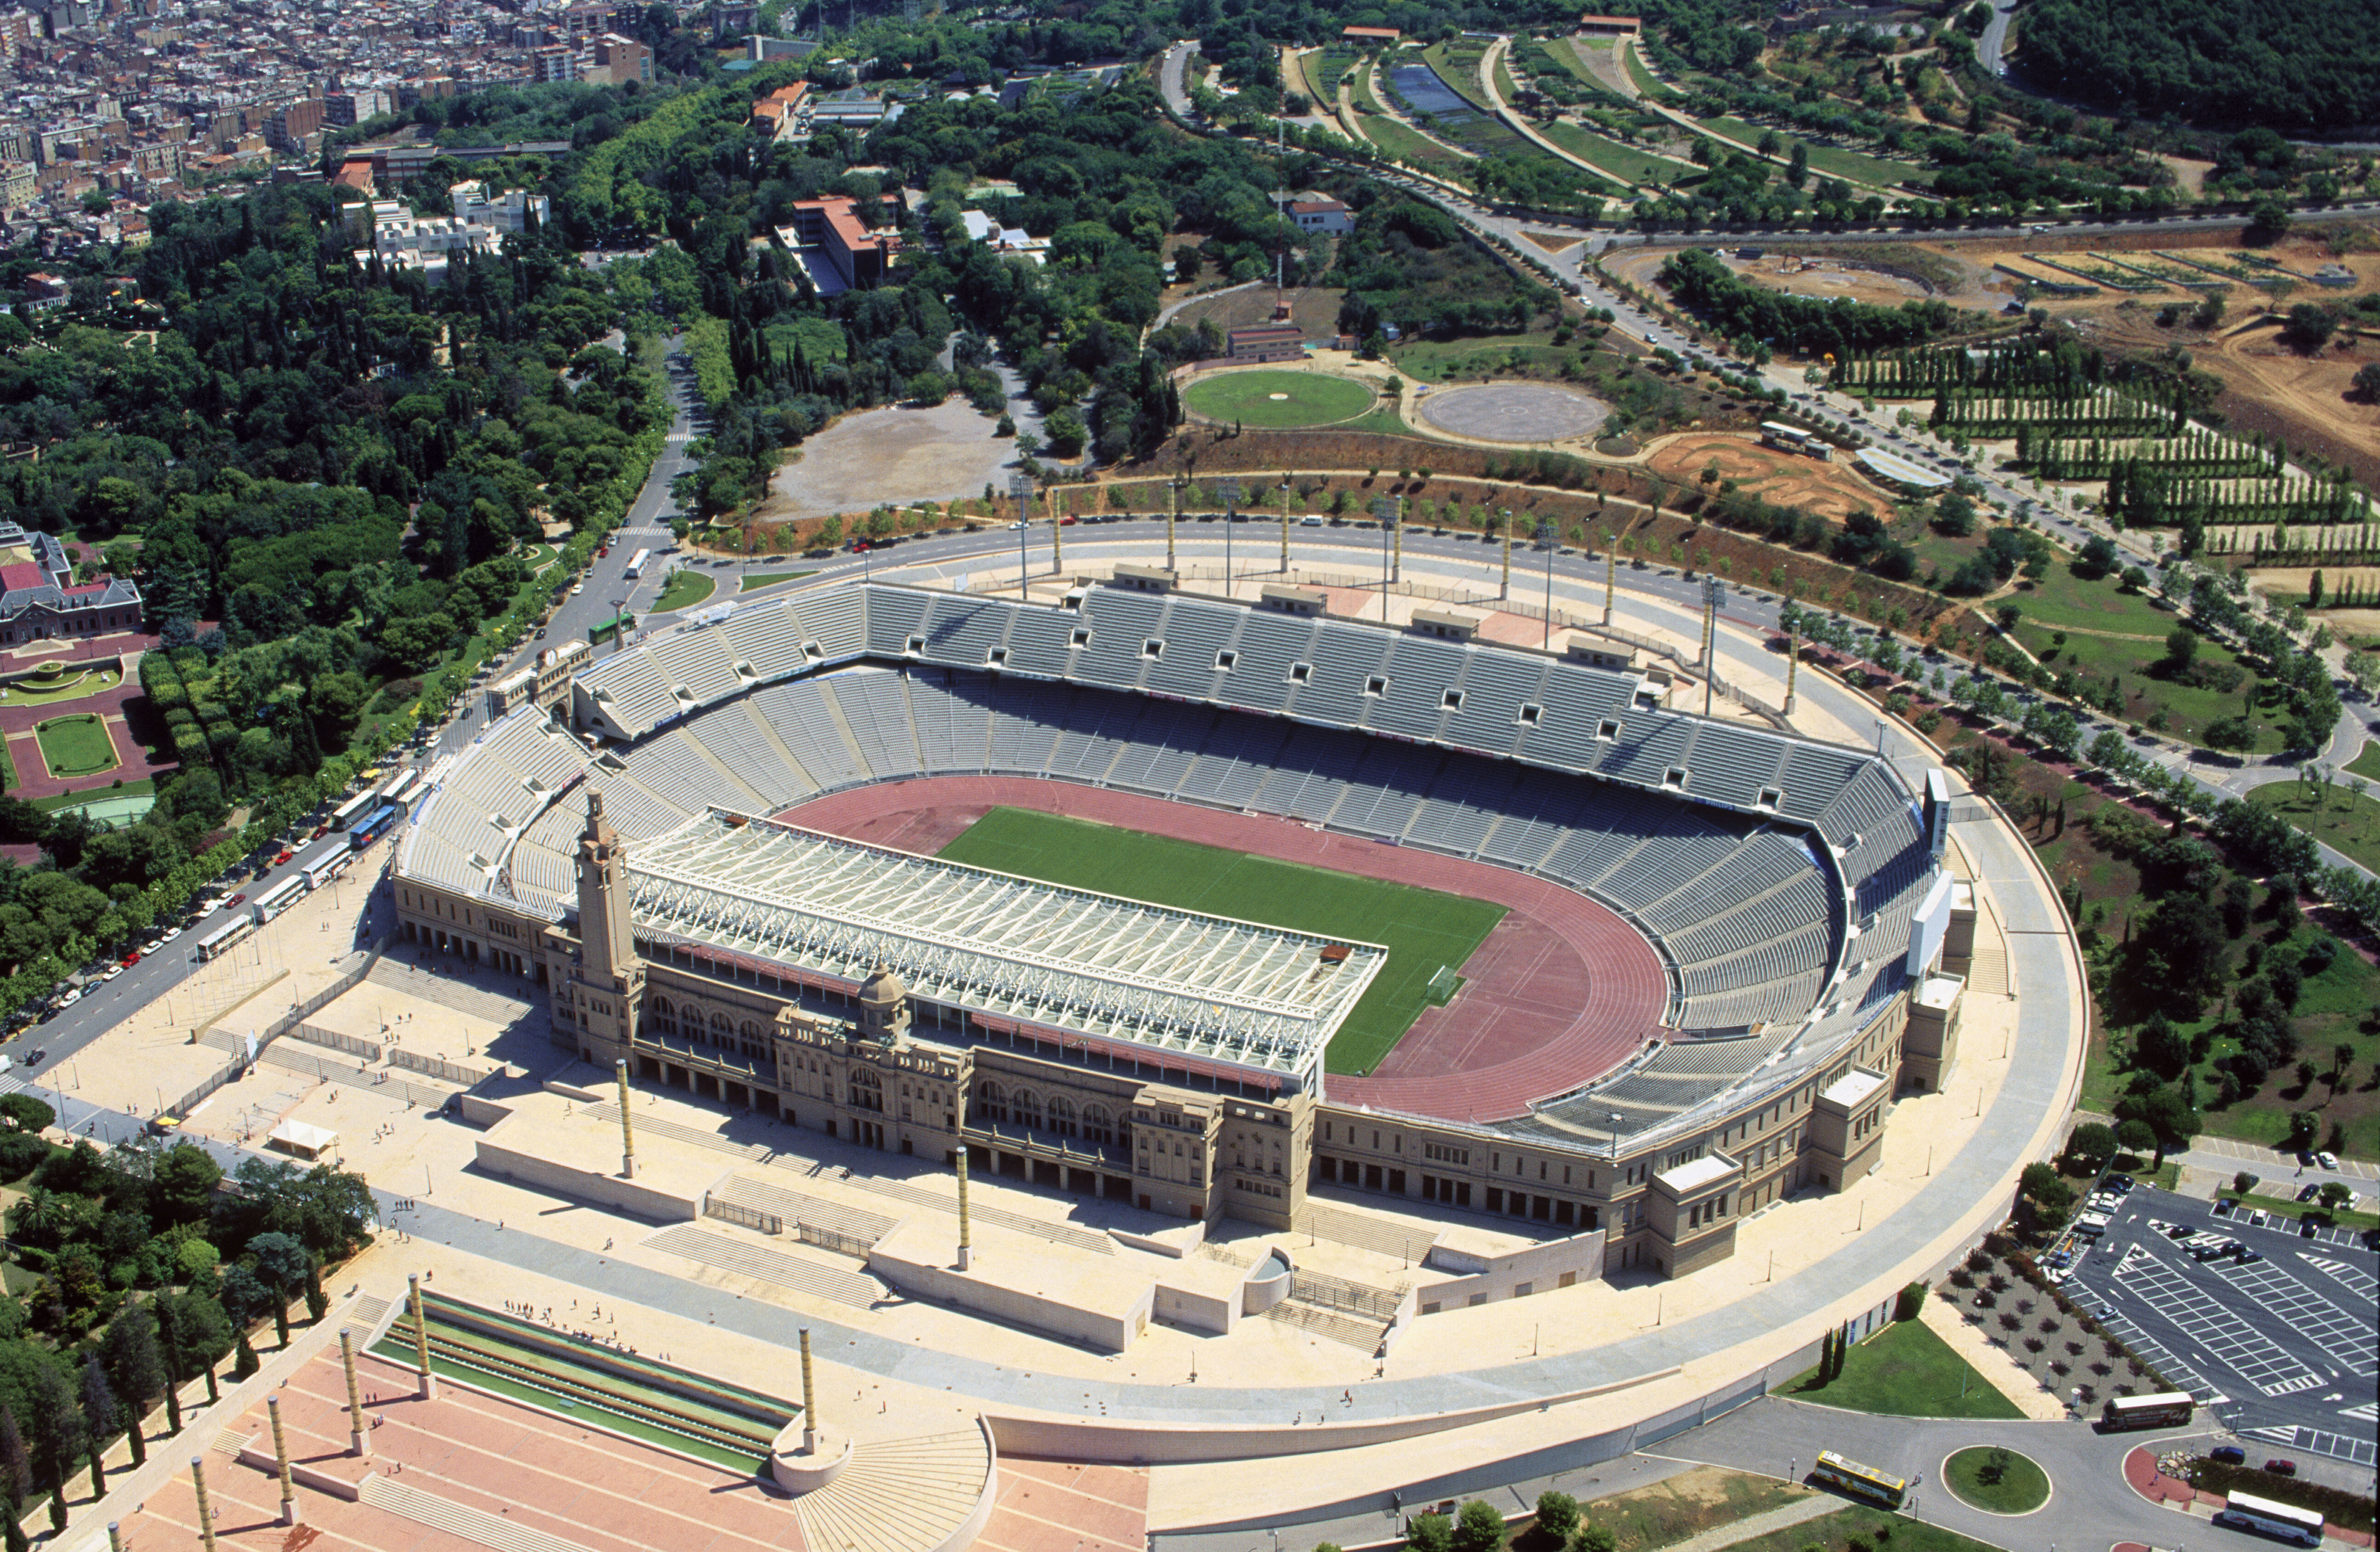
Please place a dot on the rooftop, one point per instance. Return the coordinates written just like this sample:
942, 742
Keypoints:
996, 945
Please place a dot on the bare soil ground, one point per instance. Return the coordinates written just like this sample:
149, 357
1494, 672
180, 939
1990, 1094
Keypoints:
1786, 479
1553, 242
891, 455
1313, 309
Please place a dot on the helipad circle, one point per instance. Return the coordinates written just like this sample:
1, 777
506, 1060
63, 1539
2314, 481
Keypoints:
1516, 412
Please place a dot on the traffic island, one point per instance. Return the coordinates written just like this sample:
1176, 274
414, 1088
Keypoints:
1996, 1480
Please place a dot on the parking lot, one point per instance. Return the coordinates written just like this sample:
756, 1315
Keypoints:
2278, 1333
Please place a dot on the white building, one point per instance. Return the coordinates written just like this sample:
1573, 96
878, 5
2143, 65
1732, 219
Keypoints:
507, 211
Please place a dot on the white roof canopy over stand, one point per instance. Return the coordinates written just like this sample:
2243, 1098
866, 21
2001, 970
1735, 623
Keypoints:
1169, 980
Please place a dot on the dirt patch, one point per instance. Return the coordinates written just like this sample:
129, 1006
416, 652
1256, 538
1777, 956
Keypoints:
1680, 1507
1828, 278
1785, 479
891, 455
1315, 310
1553, 242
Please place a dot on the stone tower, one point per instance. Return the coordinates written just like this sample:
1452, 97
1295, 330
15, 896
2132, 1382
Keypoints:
609, 979
883, 1008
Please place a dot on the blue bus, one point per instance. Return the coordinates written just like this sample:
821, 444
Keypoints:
372, 829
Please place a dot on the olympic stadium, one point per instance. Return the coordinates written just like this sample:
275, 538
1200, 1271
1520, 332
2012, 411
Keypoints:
1736, 915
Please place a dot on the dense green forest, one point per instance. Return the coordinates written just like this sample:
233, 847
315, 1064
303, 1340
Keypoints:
321, 475
2308, 66
141, 1269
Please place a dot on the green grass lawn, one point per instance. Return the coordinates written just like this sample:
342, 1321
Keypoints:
7, 769
1642, 76
1996, 1481
1401, 142
687, 587
1422, 928
68, 800
2367, 764
1437, 361
2062, 599
1620, 161
1458, 66
1906, 1371
73, 686
754, 580
2134, 655
2335, 817
76, 745
1278, 399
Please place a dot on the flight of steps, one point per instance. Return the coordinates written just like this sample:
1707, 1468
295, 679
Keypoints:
901, 1495
1330, 1325
495, 1531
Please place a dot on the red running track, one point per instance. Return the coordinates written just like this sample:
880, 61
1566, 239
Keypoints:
1562, 990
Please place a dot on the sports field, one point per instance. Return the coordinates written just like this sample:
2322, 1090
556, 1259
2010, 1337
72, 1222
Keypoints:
1277, 399
1422, 928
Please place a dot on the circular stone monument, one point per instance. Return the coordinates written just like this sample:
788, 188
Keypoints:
1517, 412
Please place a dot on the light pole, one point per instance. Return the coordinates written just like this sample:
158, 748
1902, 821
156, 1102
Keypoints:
1057, 544
1284, 526
1020, 487
1175, 486
1385, 508
1504, 589
1611, 574
1228, 492
1546, 537
1713, 590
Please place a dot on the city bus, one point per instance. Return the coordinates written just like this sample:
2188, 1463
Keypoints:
637, 562
2167, 1408
372, 829
604, 630
2282, 1522
352, 809
404, 790
221, 939
1861, 1482
332, 862
279, 898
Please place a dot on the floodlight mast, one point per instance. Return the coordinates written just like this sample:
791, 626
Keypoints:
1020, 486
1545, 537
1386, 509
1228, 492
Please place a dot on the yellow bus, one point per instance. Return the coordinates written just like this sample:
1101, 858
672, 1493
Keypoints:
1864, 1483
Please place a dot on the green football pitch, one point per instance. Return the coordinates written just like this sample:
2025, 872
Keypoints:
1422, 928
1278, 399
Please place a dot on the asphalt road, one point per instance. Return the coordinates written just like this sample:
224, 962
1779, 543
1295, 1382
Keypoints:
2290, 1343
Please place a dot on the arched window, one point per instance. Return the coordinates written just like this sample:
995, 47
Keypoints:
1027, 1110
723, 1031
663, 1015
754, 1039
1061, 1115
1098, 1126
991, 1103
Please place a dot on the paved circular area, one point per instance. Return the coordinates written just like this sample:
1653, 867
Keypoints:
1514, 412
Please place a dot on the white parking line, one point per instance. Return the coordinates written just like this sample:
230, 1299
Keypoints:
2354, 1278
2309, 1314
2227, 1336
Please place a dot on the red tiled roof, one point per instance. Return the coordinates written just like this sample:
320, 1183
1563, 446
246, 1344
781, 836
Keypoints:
22, 574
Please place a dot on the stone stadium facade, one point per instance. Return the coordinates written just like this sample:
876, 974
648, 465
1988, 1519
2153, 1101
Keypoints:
1809, 938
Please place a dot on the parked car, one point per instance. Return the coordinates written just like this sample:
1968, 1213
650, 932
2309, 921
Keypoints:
2282, 1468
237, 899
112, 971
2227, 1455
2307, 1194
2328, 1161
2120, 1184
2258, 1218
2224, 1207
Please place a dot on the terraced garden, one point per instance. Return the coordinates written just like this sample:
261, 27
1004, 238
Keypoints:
1623, 162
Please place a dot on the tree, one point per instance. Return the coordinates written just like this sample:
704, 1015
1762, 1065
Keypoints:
133, 1363
244, 1361
1430, 1533
22, 1112
2181, 649
1797, 166
16, 1463
2267, 219
2135, 1137
1478, 1528
2367, 381
59, 1431
2309, 326
2160, 1047
2091, 1146
99, 1410
1557, 1515
1594, 1538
